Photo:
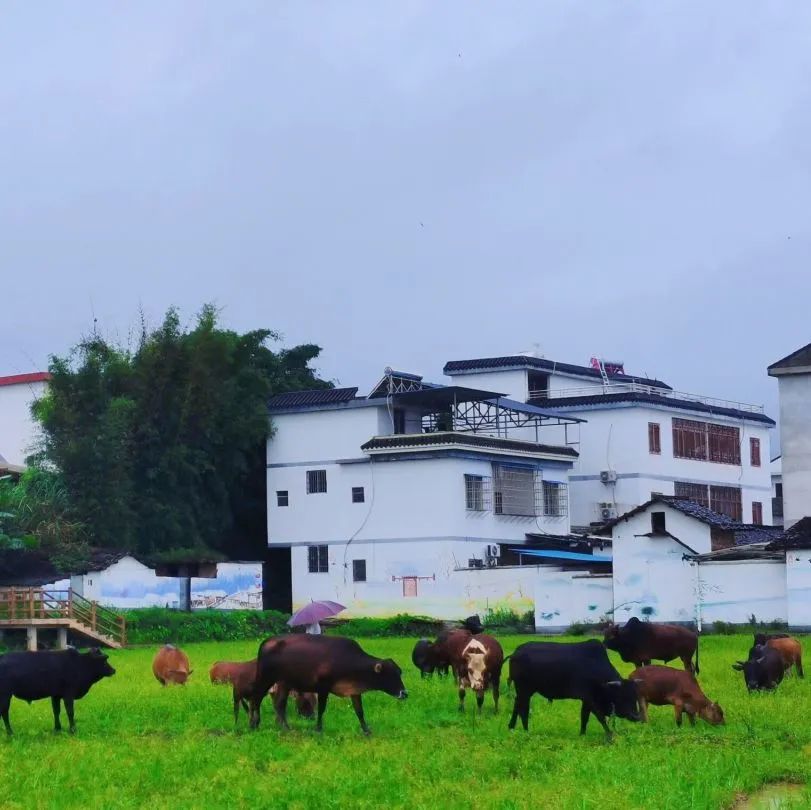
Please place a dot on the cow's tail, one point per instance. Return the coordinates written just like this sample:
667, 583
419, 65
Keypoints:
509, 679
698, 644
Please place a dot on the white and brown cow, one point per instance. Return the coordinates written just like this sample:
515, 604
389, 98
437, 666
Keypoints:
479, 668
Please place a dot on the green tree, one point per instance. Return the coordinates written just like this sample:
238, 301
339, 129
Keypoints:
163, 448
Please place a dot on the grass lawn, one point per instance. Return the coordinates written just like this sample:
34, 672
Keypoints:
140, 745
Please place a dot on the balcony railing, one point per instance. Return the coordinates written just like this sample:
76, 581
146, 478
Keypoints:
639, 388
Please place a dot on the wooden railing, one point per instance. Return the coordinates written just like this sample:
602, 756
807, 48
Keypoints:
38, 603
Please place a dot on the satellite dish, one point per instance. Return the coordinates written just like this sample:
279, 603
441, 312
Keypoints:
388, 371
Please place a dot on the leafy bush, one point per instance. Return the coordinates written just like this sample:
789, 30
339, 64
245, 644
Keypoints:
724, 628
161, 625
576, 629
401, 625
506, 618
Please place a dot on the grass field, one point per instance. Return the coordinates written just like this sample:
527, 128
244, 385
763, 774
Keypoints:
140, 745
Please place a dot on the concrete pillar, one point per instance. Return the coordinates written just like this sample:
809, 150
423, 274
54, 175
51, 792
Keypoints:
62, 638
185, 593
32, 638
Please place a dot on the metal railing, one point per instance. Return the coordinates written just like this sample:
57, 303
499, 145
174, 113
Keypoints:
21, 604
639, 388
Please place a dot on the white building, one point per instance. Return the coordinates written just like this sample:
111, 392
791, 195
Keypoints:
390, 503
776, 470
641, 437
794, 388
18, 431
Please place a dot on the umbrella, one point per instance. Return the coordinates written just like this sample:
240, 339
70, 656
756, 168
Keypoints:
315, 612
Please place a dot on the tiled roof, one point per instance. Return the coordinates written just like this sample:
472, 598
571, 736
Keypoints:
407, 440
525, 361
24, 379
797, 536
307, 399
797, 359
655, 399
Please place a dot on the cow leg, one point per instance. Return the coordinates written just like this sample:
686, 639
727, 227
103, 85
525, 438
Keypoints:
357, 705
322, 705
69, 711
603, 722
496, 685
5, 702
585, 712
461, 698
55, 707
237, 702
643, 709
280, 704
520, 709
480, 700
677, 708
691, 717
687, 660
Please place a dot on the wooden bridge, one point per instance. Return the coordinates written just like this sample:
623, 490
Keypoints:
32, 609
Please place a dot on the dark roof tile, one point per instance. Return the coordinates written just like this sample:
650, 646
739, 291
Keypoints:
407, 440
307, 399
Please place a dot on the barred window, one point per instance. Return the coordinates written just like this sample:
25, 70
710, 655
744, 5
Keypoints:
517, 491
692, 492
555, 499
477, 493
704, 441
727, 501
654, 438
754, 451
282, 497
358, 570
725, 444
318, 559
316, 481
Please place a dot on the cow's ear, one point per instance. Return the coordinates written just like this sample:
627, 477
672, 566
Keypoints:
379, 666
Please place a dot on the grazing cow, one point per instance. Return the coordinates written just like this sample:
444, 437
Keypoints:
242, 677
479, 669
639, 643
664, 686
66, 675
448, 649
424, 657
324, 665
763, 670
571, 672
789, 648
171, 665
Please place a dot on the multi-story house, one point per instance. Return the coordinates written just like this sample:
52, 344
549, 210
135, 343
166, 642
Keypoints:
641, 438
18, 431
375, 501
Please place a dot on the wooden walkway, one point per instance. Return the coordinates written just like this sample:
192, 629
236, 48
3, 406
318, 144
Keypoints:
30, 609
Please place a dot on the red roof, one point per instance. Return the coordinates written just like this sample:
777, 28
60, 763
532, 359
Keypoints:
22, 379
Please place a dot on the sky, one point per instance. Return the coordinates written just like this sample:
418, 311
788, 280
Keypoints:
412, 182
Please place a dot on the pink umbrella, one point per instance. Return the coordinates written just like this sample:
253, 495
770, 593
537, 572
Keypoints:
315, 612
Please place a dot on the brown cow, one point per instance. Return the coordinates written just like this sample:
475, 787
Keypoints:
479, 668
171, 665
242, 677
789, 648
448, 649
639, 643
665, 685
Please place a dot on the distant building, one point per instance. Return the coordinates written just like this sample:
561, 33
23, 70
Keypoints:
776, 470
793, 375
640, 438
18, 431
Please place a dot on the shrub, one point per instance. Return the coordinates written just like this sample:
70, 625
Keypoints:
576, 629
724, 628
506, 618
401, 625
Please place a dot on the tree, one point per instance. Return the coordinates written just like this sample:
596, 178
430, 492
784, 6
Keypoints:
163, 448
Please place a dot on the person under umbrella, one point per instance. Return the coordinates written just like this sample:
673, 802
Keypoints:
311, 615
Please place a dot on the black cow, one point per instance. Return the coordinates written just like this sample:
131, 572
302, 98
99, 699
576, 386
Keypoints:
763, 670
424, 657
65, 675
474, 624
324, 665
571, 672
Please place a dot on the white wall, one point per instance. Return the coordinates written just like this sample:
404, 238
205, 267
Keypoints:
795, 445
511, 382
565, 597
18, 431
798, 586
734, 591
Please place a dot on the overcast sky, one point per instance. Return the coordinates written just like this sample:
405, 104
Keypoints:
406, 183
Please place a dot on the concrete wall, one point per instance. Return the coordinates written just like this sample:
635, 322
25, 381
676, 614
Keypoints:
795, 445
565, 597
18, 431
734, 591
798, 587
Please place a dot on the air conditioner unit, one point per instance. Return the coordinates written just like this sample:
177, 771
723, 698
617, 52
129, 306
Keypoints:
608, 477
474, 563
493, 551
608, 512
492, 562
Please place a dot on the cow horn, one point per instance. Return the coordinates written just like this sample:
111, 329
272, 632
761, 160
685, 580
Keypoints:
760, 660
613, 683
379, 666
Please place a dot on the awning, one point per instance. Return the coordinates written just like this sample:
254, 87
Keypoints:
561, 555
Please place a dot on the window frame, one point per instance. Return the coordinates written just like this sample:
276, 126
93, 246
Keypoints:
318, 559
706, 441
658, 522
720, 501
355, 567
655, 438
314, 477
555, 498
757, 513
754, 451
282, 494
358, 495
476, 499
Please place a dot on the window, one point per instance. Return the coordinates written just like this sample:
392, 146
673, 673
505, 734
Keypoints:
538, 384
654, 438
477, 493
358, 495
692, 492
555, 499
658, 523
409, 586
516, 491
778, 490
398, 420
706, 442
754, 452
316, 481
282, 498
727, 501
318, 559
358, 570
757, 513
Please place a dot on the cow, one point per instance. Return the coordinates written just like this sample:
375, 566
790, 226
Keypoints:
789, 648
579, 671
473, 624
171, 665
448, 649
64, 675
664, 686
424, 657
639, 643
479, 669
764, 668
324, 665
241, 676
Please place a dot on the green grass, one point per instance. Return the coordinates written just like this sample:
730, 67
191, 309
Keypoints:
140, 745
